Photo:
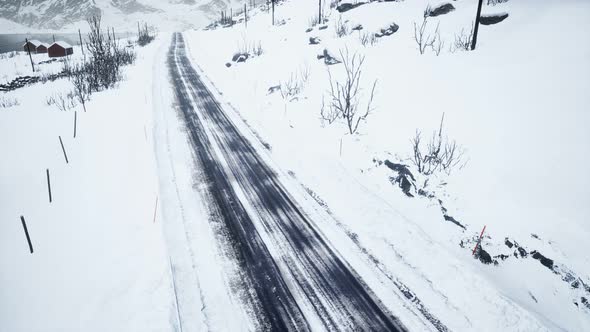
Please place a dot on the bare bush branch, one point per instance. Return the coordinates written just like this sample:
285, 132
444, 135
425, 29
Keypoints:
7, 102
342, 28
346, 96
422, 39
438, 44
62, 102
463, 41
146, 35
440, 153
367, 38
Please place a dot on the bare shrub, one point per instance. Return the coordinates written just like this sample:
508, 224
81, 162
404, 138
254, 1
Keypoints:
257, 49
439, 154
106, 57
463, 41
79, 80
290, 88
7, 102
146, 35
438, 43
62, 102
250, 48
345, 97
423, 39
367, 38
8, 55
313, 21
342, 28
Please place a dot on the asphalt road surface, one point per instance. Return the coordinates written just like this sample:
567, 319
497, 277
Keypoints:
296, 280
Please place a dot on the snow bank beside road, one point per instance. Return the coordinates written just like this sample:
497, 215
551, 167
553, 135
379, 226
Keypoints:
100, 262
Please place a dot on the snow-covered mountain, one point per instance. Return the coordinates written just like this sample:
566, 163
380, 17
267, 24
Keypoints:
69, 15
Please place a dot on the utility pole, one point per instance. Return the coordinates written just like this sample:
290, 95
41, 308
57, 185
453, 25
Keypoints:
476, 28
29, 50
245, 17
319, 11
273, 11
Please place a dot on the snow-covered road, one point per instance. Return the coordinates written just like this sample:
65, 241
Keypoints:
297, 280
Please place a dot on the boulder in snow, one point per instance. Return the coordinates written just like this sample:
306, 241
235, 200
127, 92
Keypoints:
442, 9
274, 88
314, 40
329, 59
388, 31
346, 6
240, 57
492, 18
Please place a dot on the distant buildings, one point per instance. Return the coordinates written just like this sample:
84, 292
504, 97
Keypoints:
31, 46
59, 49
42, 48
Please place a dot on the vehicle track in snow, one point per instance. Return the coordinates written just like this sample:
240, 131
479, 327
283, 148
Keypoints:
297, 280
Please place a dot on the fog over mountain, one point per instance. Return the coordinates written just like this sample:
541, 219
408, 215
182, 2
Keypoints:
68, 15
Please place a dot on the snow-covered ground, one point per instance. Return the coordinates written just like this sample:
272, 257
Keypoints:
127, 228
99, 260
518, 106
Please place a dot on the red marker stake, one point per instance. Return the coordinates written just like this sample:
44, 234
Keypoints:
479, 240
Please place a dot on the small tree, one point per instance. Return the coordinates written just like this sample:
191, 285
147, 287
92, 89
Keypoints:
345, 97
440, 154
463, 41
423, 39
80, 82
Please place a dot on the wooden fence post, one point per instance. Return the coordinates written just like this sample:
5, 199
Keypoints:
29, 50
319, 11
49, 186
273, 11
22, 219
63, 149
75, 120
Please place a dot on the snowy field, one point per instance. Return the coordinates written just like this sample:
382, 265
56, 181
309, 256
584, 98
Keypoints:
99, 259
126, 243
517, 105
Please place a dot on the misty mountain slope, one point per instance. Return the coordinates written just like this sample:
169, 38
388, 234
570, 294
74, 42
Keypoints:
69, 15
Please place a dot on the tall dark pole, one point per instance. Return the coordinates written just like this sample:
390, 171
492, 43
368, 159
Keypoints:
29, 50
273, 11
319, 11
476, 28
245, 17
22, 219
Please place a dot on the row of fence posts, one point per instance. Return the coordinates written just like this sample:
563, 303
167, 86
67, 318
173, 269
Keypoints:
50, 196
